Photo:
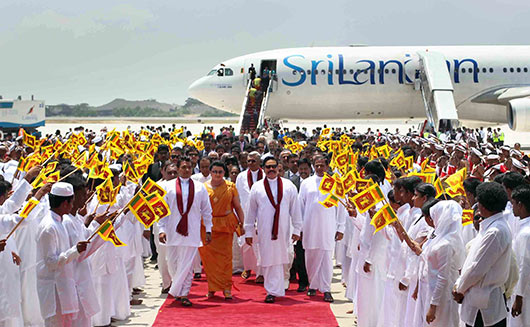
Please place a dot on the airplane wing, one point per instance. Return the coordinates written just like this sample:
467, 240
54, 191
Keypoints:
501, 95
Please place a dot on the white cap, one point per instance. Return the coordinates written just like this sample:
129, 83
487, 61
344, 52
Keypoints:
517, 164
505, 148
476, 152
115, 167
62, 189
492, 157
97, 139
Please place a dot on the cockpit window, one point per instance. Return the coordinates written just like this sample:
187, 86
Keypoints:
212, 72
228, 72
220, 72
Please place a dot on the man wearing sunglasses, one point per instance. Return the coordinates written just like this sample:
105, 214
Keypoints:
274, 205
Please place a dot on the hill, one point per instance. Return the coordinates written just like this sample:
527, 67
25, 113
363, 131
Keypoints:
136, 108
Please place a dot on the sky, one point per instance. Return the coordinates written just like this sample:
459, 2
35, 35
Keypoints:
65, 51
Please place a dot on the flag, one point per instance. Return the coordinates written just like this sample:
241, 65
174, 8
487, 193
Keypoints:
425, 164
341, 160
409, 163
457, 179
32, 203
325, 131
426, 178
28, 140
142, 210
383, 217
158, 204
348, 181
39, 181
21, 163
130, 173
50, 167
326, 184
399, 160
368, 198
53, 177
362, 184
338, 188
107, 233
105, 191
384, 151
151, 186
330, 201
467, 217
454, 192
439, 187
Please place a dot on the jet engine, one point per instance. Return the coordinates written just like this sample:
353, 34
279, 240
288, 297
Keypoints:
518, 112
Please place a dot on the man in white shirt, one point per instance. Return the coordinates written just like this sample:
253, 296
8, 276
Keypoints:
322, 227
204, 174
480, 287
55, 271
274, 205
189, 203
244, 183
521, 246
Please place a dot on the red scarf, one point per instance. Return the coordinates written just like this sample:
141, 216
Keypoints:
249, 177
182, 227
276, 206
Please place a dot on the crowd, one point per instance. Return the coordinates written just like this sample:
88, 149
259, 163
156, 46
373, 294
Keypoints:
276, 206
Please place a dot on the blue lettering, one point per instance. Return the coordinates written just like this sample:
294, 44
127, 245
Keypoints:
457, 69
295, 68
341, 73
314, 71
382, 65
370, 69
330, 70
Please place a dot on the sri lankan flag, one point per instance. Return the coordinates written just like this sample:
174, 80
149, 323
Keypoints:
30, 205
456, 180
368, 198
130, 173
326, 184
50, 167
399, 160
107, 233
425, 177
39, 181
467, 217
151, 186
142, 210
409, 163
22, 163
384, 151
105, 192
383, 217
330, 201
342, 159
425, 164
362, 184
338, 188
28, 140
439, 187
348, 181
158, 204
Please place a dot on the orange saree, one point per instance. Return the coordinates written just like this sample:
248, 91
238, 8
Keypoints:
217, 256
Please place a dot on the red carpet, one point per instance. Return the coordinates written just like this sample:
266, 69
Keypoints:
246, 309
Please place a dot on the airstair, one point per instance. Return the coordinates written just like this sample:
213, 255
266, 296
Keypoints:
437, 91
254, 108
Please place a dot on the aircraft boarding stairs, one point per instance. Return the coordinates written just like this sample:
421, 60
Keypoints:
437, 91
253, 109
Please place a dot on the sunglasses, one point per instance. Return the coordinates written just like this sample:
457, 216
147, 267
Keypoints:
251, 160
271, 166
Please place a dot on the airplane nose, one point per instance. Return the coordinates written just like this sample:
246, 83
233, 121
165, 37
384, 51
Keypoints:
196, 89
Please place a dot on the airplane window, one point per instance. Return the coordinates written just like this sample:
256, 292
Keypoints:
229, 72
220, 72
351, 71
344, 71
323, 72
386, 71
470, 70
330, 72
308, 72
212, 72
484, 70
463, 70
336, 71
315, 72
525, 70
491, 70
379, 71
518, 69
393, 70
511, 70
504, 69
294, 72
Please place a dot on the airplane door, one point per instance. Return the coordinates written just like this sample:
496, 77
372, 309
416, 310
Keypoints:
270, 66
412, 66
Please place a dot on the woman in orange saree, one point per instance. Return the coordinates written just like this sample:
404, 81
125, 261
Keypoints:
227, 217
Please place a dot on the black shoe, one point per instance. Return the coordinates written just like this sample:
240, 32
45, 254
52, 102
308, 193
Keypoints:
185, 302
197, 276
311, 292
328, 297
269, 299
301, 289
165, 290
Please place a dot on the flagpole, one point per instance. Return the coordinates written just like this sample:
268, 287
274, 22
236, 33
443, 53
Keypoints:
14, 228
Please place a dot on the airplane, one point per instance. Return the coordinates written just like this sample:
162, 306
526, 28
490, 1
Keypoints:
446, 84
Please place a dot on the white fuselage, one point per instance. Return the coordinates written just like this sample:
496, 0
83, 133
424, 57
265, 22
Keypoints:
368, 82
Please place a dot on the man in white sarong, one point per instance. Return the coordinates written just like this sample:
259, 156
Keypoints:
244, 183
321, 228
274, 205
189, 202
59, 300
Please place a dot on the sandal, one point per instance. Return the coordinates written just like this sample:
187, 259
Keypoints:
228, 295
210, 295
185, 302
245, 274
